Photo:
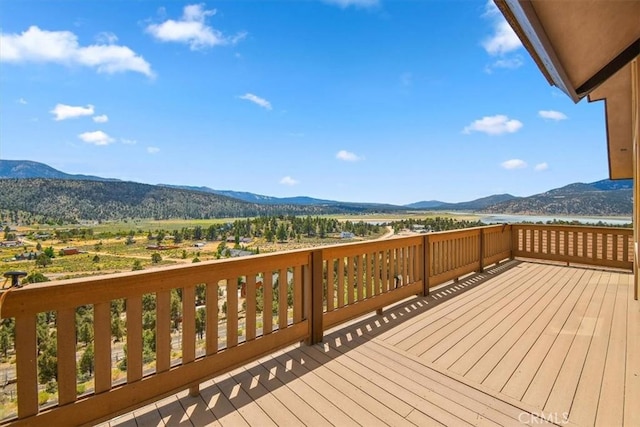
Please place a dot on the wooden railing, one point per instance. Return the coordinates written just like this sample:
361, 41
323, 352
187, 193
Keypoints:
361, 278
451, 254
603, 246
252, 306
229, 341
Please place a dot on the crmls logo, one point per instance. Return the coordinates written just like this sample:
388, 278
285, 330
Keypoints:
543, 418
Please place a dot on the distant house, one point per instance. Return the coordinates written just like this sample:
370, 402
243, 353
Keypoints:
41, 236
10, 243
238, 253
198, 245
419, 228
70, 251
24, 256
346, 235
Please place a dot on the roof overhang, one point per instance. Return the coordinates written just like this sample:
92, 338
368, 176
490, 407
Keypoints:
584, 48
616, 94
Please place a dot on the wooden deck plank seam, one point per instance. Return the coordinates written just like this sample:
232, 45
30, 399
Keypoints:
610, 337
348, 350
602, 304
398, 389
507, 400
464, 292
337, 397
545, 330
497, 310
545, 309
446, 314
555, 344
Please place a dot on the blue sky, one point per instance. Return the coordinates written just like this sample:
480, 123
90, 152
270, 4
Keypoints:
385, 101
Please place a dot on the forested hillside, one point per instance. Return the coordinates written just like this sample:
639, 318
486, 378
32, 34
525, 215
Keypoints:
602, 198
73, 200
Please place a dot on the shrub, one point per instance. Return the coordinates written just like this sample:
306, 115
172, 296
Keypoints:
43, 397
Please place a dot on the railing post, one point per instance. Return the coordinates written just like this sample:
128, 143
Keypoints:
316, 306
514, 244
426, 270
481, 240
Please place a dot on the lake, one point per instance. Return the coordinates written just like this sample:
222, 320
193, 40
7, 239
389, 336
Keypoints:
499, 219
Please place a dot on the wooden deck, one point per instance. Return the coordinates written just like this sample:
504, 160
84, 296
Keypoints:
523, 343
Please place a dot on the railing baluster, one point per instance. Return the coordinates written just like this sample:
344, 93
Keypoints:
134, 338
377, 273
188, 324
211, 323
349, 282
232, 312
189, 330
341, 289
539, 241
297, 294
316, 321
163, 330
412, 264
331, 289
385, 270
426, 264
369, 274
26, 366
267, 316
360, 278
102, 345
250, 313
283, 308
67, 367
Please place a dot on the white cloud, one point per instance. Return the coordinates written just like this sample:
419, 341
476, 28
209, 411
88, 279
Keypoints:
505, 63
552, 115
541, 167
128, 141
153, 150
192, 29
514, 164
356, 3
22, 101
62, 47
257, 100
287, 180
97, 137
103, 118
63, 112
106, 38
494, 125
502, 41
347, 156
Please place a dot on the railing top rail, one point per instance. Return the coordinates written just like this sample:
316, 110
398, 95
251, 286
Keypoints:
354, 248
462, 230
47, 296
472, 231
580, 228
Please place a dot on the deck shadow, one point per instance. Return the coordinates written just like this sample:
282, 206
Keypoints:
229, 393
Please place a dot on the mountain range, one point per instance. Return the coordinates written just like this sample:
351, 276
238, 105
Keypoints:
23, 184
